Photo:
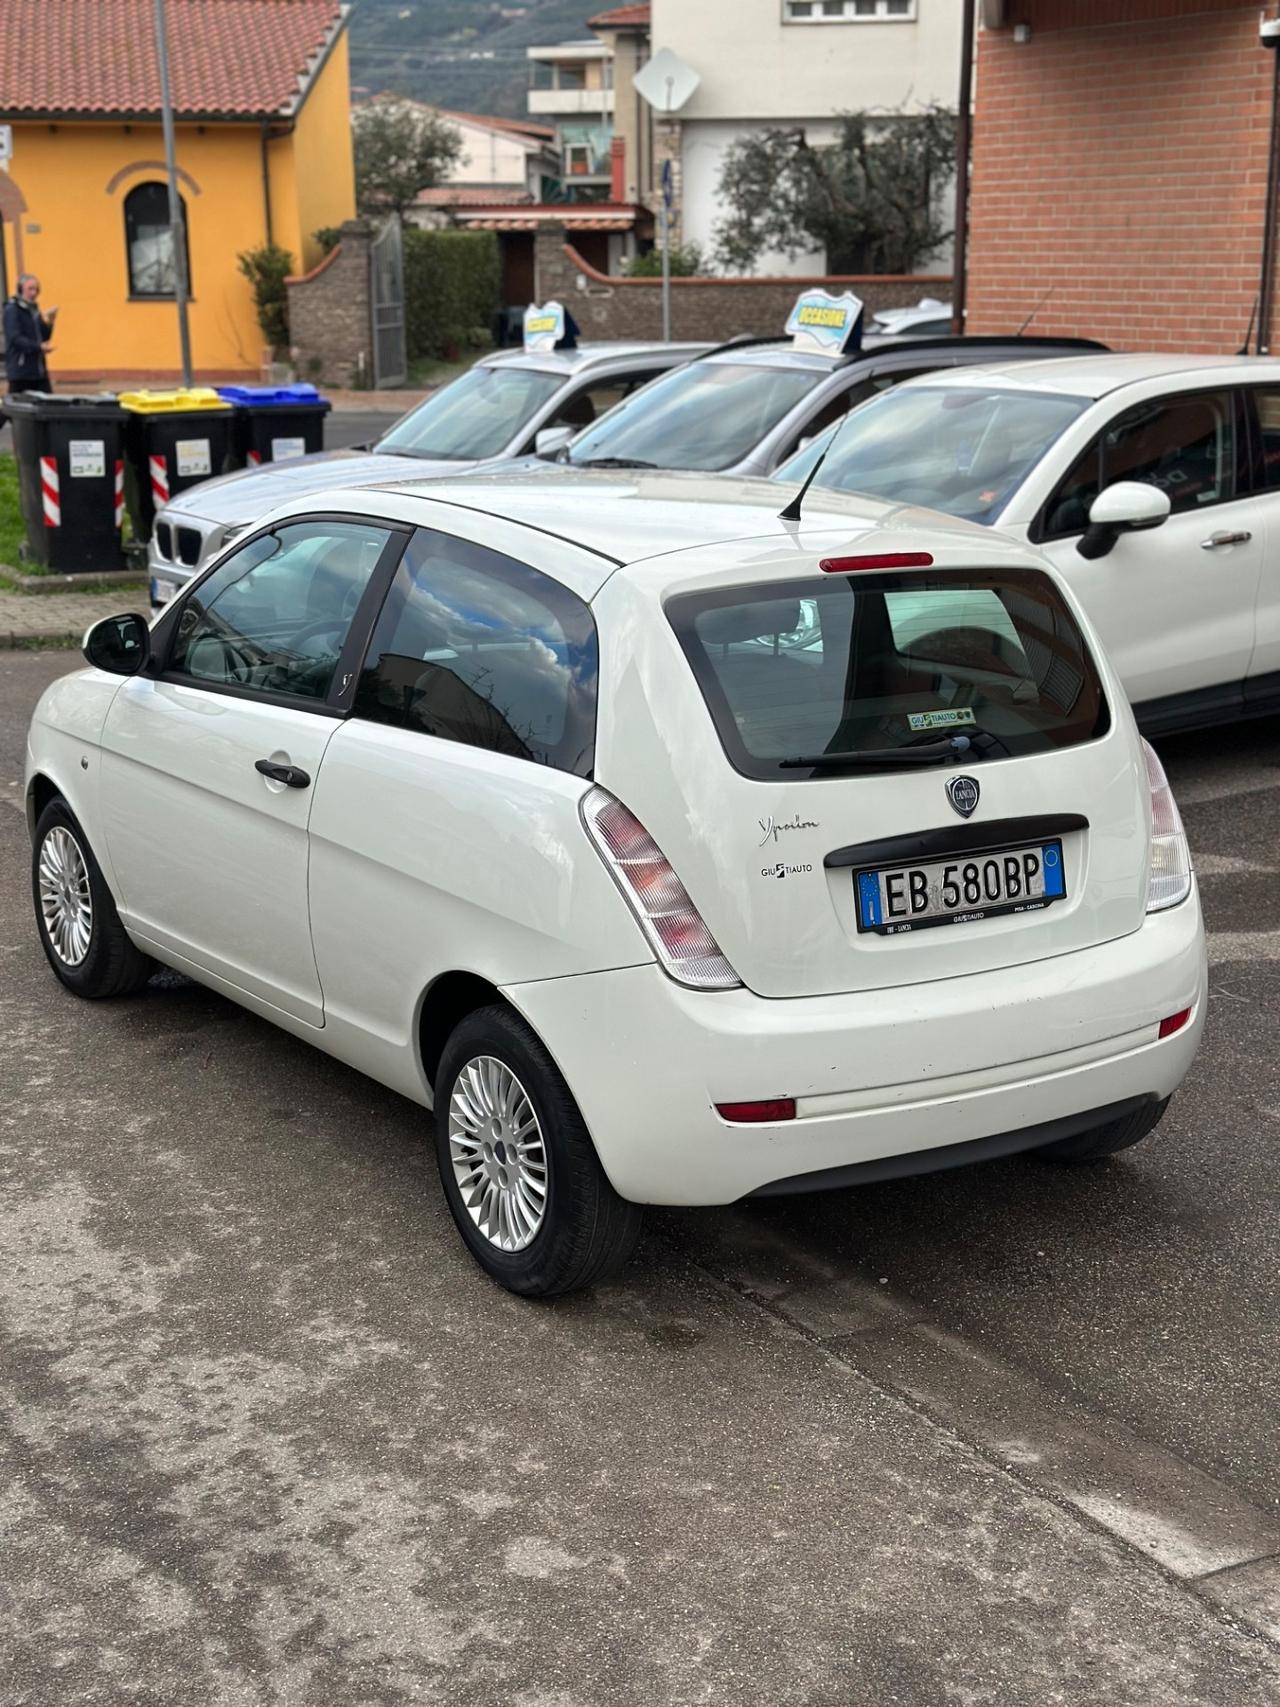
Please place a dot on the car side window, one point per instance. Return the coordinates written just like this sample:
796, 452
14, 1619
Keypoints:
473, 646
1067, 512
1185, 446
273, 616
584, 407
837, 407
1267, 404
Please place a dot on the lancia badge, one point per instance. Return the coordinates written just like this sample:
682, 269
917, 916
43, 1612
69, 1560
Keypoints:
962, 792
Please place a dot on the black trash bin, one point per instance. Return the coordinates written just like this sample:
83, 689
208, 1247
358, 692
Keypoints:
274, 422
174, 439
70, 453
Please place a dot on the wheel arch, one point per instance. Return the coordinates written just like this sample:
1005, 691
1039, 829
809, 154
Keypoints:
41, 789
447, 1000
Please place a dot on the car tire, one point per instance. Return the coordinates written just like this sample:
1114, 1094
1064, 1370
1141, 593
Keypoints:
541, 1219
80, 930
1099, 1142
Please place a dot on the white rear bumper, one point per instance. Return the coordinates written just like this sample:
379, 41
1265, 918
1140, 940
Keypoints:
888, 1073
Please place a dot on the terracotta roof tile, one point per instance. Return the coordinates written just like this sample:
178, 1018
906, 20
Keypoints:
244, 57
621, 18
520, 127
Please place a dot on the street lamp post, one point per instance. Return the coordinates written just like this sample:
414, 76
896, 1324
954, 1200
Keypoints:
177, 227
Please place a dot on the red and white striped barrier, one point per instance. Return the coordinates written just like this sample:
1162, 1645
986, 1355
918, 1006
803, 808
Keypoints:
255, 458
159, 480
119, 494
50, 492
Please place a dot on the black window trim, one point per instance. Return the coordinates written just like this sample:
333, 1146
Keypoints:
1038, 533
337, 702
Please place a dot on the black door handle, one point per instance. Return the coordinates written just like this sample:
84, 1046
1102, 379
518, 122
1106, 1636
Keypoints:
289, 775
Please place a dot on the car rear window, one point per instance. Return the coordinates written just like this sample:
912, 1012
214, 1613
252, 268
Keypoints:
882, 662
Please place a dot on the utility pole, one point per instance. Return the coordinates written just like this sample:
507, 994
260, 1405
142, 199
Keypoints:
960, 270
177, 226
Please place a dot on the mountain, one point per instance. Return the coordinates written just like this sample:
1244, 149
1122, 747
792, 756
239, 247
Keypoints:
464, 54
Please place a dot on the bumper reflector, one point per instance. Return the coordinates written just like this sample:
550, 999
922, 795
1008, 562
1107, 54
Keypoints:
1175, 1022
753, 1113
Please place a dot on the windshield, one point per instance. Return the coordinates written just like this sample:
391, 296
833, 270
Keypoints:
963, 449
802, 676
708, 415
477, 415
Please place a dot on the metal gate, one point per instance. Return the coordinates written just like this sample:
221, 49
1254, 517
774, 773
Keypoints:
386, 289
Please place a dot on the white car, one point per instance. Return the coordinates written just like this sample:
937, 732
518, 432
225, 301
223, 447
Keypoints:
671, 850
1151, 482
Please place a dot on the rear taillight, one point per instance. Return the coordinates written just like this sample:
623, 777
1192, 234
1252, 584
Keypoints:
676, 930
1170, 879
1175, 1022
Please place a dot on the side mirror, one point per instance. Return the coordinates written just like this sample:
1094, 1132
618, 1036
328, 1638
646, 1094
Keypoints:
550, 439
119, 644
1126, 507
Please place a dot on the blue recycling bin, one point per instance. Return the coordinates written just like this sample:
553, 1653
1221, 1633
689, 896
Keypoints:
274, 422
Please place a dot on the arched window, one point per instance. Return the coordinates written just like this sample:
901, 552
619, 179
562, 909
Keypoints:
149, 241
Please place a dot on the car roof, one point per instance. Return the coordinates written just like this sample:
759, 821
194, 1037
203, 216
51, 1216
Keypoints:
1003, 347
624, 517
584, 356
1097, 375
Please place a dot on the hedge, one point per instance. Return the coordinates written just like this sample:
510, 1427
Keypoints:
451, 291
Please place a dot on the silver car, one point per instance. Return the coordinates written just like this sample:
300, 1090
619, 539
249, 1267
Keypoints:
509, 404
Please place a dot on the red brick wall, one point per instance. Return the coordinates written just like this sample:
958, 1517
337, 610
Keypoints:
1123, 163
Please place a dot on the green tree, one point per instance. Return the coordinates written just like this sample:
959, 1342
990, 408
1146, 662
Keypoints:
687, 261
869, 198
266, 270
400, 148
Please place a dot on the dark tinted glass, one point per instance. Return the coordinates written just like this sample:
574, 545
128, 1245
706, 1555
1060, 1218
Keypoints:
275, 614
879, 662
473, 646
1183, 445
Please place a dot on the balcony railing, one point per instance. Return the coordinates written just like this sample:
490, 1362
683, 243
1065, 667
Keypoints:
564, 101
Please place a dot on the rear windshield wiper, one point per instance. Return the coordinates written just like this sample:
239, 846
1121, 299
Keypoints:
614, 462
932, 753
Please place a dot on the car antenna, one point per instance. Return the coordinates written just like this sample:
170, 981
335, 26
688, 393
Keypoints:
1039, 305
1244, 348
792, 511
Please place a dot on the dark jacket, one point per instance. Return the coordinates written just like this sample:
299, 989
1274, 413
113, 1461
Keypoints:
25, 329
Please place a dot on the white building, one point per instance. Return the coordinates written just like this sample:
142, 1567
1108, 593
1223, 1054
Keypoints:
765, 63
508, 160
572, 87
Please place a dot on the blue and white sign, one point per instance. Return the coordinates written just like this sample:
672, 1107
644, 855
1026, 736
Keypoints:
543, 327
825, 325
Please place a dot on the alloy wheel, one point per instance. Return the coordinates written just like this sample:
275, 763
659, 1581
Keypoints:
497, 1151
66, 901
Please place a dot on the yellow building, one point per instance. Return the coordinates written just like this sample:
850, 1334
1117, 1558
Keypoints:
260, 90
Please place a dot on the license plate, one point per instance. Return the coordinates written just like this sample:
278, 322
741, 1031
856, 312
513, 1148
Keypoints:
161, 591
959, 891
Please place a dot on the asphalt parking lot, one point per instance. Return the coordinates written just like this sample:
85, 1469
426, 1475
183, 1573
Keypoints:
1004, 1436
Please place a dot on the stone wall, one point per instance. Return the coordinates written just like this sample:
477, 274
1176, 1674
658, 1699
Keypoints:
701, 308
330, 315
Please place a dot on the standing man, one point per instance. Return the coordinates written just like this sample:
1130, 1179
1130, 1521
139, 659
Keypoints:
26, 338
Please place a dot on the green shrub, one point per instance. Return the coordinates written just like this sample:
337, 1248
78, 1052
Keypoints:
687, 262
328, 237
266, 270
451, 291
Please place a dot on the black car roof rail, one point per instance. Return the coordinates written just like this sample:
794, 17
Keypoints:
978, 341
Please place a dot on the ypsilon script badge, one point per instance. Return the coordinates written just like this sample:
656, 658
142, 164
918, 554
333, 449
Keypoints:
962, 792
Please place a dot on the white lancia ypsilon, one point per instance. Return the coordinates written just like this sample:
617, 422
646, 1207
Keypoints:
672, 850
